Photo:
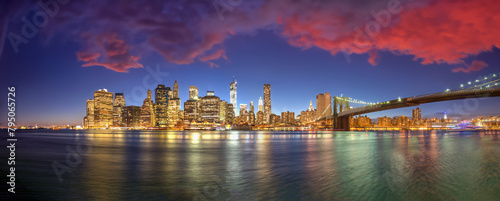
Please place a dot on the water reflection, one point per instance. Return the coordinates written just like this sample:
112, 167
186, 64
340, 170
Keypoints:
263, 165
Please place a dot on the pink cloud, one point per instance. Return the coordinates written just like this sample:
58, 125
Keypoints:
474, 66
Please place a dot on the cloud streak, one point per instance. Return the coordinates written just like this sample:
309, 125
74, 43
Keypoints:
117, 34
474, 66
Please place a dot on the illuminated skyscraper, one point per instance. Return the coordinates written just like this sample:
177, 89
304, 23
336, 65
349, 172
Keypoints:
209, 106
323, 105
193, 93
161, 102
222, 110
233, 95
191, 111
309, 115
88, 120
176, 89
174, 106
267, 102
260, 118
260, 104
288, 118
172, 112
417, 114
243, 109
147, 112
229, 113
103, 108
118, 105
251, 106
132, 116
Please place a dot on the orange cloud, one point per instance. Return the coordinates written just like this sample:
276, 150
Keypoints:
111, 52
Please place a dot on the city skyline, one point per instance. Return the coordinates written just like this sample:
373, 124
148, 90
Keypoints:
46, 70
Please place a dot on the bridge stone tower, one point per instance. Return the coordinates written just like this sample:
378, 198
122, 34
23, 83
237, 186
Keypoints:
340, 104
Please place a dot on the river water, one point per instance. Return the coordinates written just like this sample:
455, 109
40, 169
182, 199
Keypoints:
255, 165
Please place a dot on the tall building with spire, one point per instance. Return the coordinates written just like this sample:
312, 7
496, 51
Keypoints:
309, 115
267, 102
174, 106
416, 114
176, 89
147, 118
233, 95
161, 102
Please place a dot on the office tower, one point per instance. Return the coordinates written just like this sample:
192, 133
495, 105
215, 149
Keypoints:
132, 116
222, 110
288, 118
191, 111
323, 105
147, 112
177, 100
233, 95
172, 112
417, 114
251, 106
118, 105
176, 90
243, 109
260, 104
161, 102
193, 93
89, 118
103, 108
229, 113
209, 106
260, 118
267, 102
309, 115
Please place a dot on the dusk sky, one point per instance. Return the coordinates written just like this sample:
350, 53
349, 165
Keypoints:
368, 50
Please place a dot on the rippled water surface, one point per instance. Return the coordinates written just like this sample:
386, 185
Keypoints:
256, 165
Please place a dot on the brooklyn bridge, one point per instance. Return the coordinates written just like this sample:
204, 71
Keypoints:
480, 88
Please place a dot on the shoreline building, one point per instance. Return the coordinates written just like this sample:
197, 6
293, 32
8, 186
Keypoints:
118, 105
161, 102
308, 116
192, 106
233, 95
267, 103
132, 116
229, 114
147, 112
260, 104
176, 114
88, 120
103, 108
323, 105
209, 106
